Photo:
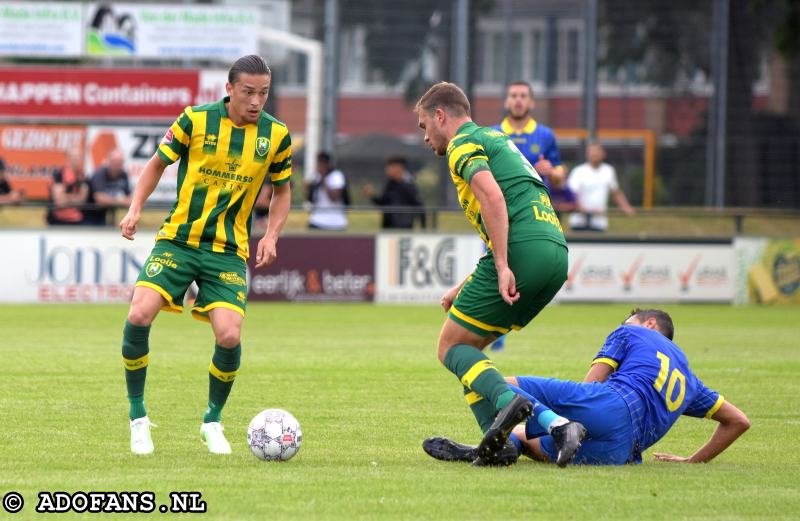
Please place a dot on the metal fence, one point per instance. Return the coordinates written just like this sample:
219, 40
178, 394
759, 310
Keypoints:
698, 103
716, 82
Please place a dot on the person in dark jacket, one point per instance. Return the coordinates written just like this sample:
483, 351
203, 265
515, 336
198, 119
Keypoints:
400, 190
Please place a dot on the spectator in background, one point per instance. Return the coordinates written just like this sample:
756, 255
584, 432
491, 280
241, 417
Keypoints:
591, 182
562, 197
109, 189
7, 194
328, 196
400, 190
69, 192
535, 141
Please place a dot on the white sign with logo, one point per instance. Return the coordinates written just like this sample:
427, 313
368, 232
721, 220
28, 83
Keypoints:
41, 29
137, 144
650, 272
171, 31
420, 268
71, 266
211, 87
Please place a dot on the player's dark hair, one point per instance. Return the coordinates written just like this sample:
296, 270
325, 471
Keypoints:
324, 157
445, 96
663, 320
521, 83
396, 160
250, 64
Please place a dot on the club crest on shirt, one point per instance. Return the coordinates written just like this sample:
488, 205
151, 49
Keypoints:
153, 269
535, 148
262, 146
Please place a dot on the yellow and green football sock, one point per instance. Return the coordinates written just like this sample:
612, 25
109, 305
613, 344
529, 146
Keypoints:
478, 373
482, 408
135, 356
221, 374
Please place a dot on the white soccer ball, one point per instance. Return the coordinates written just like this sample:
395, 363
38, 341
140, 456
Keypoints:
274, 435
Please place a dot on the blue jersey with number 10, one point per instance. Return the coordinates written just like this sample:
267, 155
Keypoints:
653, 377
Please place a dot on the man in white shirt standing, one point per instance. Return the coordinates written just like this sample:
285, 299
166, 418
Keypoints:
591, 182
328, 196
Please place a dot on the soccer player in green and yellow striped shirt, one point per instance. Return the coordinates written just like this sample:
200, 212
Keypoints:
226, 150
507, 203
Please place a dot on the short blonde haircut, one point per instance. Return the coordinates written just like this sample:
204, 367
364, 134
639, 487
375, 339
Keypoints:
445, 96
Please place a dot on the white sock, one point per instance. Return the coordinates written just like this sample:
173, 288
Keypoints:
558, 422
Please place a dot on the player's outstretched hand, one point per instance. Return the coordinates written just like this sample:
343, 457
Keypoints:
449, 297
660, 456
266, 253
128, 224
507, 284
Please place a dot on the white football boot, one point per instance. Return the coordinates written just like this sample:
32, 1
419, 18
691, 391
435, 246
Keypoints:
141, 441
212, 435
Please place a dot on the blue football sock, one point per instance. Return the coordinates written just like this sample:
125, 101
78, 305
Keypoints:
516, 441
545, 417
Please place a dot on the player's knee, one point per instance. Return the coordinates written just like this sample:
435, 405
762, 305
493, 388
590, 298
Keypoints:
139, 316
442, 350
228, 337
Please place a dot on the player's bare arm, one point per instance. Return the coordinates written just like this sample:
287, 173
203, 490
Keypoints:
732, 424
104, 199
495, 218
278, 211
599, 372
151, 174
622, 202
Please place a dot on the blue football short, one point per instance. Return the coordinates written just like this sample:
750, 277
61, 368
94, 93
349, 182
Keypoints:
609, 440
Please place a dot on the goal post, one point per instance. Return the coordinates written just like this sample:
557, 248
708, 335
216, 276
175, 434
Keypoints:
313, 51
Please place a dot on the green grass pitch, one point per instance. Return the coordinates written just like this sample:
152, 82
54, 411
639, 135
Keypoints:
366, 386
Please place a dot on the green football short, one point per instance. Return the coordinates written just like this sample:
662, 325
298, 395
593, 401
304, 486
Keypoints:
540, 269
172, 267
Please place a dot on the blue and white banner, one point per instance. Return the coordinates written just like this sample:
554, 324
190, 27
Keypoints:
41, 29
71, 266
171, 31
649, 272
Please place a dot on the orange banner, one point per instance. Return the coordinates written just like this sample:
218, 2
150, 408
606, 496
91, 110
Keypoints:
32, 154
